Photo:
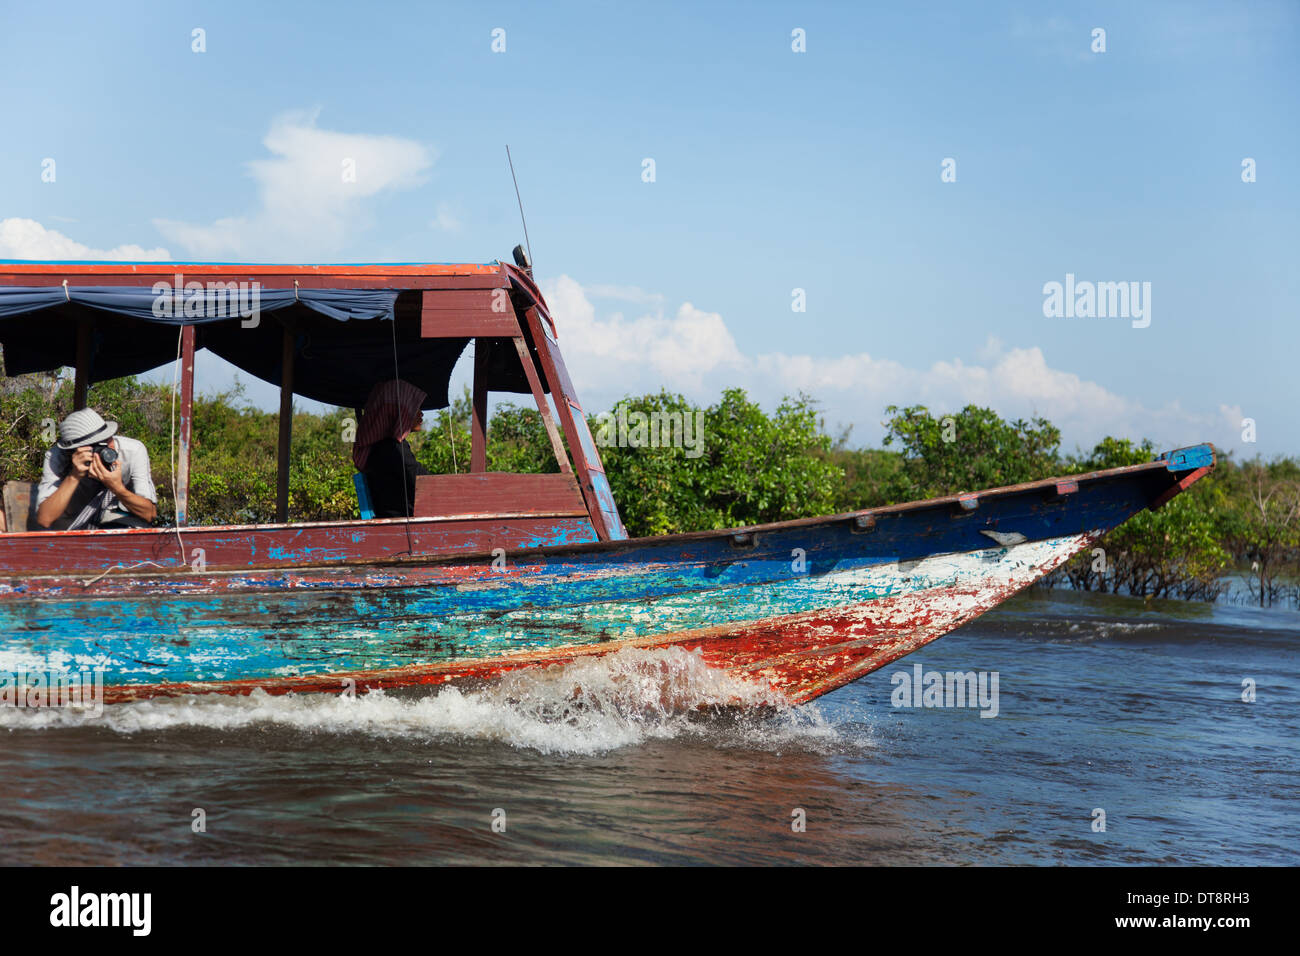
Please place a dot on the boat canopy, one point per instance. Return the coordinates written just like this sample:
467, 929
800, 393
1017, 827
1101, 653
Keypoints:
329, 333
340, 351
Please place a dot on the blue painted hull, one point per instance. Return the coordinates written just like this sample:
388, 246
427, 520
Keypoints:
892, 576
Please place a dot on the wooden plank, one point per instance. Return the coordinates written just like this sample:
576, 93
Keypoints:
543, 406
498, 495
19, 505
1181, 485
286, 427
331, 547
467, 325
478, 411
186, 427
467, 314
466, 300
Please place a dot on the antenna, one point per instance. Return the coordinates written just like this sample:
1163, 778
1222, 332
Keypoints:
521, 205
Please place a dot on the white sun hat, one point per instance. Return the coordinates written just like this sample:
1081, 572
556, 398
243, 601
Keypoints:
84, 427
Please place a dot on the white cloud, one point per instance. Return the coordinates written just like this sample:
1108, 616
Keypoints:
624, 293
444, 220
311, 192
694, 352
653, 348
991, 349
28, 239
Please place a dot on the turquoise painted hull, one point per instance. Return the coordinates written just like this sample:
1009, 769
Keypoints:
778, 600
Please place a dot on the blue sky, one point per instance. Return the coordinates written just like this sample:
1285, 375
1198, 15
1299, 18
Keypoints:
774, 171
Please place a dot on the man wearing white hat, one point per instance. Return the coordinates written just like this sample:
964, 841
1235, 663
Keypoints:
95, 478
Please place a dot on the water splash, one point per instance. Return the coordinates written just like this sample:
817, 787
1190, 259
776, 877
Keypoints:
1083, 631
589, 706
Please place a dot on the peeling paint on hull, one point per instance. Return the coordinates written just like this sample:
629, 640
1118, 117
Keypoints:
800, 607
801, 637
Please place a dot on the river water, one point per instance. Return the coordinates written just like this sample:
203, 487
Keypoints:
1104, 705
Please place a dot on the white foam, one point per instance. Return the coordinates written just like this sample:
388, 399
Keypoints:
590, 706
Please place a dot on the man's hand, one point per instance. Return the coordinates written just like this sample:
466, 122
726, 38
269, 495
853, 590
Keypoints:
81, 459
53, 506
110, 476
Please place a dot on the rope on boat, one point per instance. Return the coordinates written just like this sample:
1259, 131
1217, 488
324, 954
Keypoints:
121, 567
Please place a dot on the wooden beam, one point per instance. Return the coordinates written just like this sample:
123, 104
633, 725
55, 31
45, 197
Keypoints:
1182, 485
286, 427
586, 459
467, 314
187, 427
81, 389
478, 410
543, 406
466, 325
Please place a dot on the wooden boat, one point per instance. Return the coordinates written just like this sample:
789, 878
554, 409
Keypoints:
495, 572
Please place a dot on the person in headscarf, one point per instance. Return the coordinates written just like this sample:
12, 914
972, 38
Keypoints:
381, 451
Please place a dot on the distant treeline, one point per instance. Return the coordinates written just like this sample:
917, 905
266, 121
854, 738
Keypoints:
749, 467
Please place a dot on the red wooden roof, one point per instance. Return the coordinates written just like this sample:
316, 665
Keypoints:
406, 275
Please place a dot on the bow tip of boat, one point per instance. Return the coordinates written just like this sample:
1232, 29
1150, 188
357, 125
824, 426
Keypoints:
1190, 458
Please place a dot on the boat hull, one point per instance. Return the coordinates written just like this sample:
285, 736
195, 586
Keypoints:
850, 624
799, 608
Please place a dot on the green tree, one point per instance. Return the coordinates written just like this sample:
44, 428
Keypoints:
1263, 524
870, 474
967, 451
29, 406
752, 467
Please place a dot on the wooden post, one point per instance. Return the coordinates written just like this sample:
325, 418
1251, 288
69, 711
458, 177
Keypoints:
586, 459
478, 414
187, 427
286, 427
81, 388
543, 406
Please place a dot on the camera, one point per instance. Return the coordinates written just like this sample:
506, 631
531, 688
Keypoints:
106, 454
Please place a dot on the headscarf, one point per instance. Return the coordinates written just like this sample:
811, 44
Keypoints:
392, 410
